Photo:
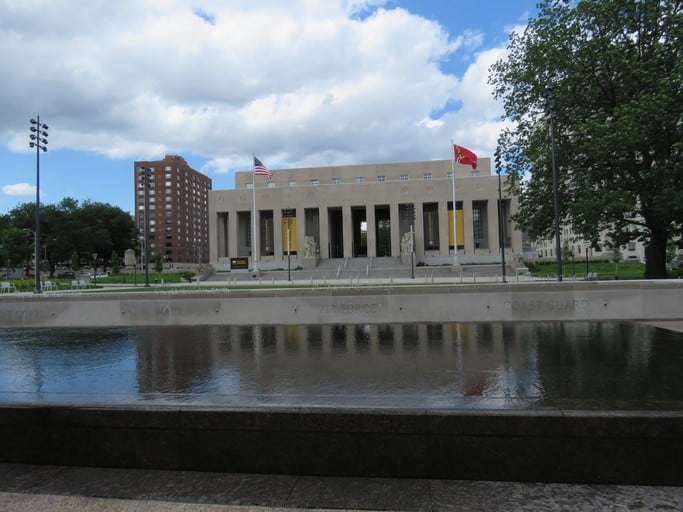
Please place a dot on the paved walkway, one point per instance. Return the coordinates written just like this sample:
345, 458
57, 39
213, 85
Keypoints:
61, 489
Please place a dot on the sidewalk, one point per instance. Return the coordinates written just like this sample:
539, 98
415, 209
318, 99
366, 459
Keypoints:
65, 489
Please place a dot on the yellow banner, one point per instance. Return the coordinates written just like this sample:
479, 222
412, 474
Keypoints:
291, 222
461, 228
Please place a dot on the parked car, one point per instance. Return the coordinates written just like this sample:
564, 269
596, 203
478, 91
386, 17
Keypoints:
632, 259
675, 265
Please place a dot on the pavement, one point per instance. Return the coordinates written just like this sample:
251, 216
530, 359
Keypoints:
65, 489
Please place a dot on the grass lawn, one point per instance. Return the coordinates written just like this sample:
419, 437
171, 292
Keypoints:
604, 270
64, 283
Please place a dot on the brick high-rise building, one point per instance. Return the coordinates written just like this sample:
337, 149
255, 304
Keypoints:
176, 200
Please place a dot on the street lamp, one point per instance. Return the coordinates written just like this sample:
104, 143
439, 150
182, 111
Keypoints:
501, 225
550, 96
144, 176
39, 141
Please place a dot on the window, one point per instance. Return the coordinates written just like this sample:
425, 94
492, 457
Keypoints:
314, 181
450, 175
427, 176
631, 246
381, 178
336, 181
167, 168
292, 183
271, 184
250, 185
404, 177
474, 173
359, 179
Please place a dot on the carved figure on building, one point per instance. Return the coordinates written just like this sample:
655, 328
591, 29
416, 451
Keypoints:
407, 243
309, 247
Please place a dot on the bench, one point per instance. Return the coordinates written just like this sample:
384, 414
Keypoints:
48, 286
591, 276
7, 287
78, 284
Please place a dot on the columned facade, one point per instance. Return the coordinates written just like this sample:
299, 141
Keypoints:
362, 211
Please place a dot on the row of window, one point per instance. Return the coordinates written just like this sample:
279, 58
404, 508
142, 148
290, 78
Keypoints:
361, 179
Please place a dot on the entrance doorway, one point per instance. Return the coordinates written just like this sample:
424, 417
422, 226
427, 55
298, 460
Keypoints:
336, 233
383, 230
360, 231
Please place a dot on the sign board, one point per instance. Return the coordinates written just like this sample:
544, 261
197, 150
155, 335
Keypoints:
239, 263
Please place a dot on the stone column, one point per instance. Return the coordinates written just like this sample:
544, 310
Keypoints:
395, 224
372, 230
347, 231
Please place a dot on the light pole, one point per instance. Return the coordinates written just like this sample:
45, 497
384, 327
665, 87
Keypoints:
501, 225
144, 176
556, 204
94, 269
39, 141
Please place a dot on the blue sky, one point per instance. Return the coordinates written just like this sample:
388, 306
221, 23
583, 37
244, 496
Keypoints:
299, 83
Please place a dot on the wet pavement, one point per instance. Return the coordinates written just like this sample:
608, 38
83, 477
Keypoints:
61, 489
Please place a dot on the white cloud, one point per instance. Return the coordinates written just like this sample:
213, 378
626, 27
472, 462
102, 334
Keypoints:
299, 82
19, 189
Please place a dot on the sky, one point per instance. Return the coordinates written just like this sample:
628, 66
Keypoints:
300, 83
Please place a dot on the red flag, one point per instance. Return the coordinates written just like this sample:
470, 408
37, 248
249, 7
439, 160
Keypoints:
464, 156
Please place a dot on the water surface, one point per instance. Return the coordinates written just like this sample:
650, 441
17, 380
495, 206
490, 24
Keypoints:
612, 365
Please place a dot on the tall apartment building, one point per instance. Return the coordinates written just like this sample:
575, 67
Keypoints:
172, 210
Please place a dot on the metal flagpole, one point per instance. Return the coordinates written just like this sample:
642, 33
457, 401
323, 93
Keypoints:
253, 220
455, 217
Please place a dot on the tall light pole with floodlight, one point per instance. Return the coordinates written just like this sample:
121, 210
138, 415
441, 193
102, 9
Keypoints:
39, 141
501, 217
144, 177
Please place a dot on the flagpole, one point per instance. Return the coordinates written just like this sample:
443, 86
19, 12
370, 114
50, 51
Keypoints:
455, 217
253, 221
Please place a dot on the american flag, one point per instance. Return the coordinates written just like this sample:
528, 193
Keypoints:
262, 170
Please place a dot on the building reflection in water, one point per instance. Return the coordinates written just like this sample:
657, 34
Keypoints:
451, 365
424, 365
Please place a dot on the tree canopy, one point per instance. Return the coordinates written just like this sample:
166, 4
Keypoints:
614, 72
66, 228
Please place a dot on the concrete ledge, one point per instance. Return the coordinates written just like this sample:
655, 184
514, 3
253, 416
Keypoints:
536, 445
613, 300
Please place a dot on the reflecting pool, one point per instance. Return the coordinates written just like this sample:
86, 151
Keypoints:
582, 365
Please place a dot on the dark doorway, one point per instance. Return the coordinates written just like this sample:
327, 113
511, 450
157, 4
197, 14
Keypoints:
335, 223
360, 231
383, 230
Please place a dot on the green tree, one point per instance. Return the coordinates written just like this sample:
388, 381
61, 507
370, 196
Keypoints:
17, 247
614, 69
158, 263
115, 262
75, 261
68, 227
616, 258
